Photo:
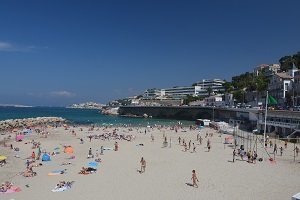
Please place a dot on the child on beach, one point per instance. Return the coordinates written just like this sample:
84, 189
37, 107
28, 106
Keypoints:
143, 165
194, 148
185, 147
195, 179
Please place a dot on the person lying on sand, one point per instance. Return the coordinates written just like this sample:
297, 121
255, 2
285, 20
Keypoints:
29, 173
5, 186
87, 170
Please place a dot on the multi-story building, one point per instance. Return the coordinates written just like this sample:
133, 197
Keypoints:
153, 93
267, 69
296, 86
180, 92
279, 85
199, 89
216, 86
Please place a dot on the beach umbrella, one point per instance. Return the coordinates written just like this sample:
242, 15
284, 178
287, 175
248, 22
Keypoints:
93, 164
69, 150
3, 158
19, 137
46, 157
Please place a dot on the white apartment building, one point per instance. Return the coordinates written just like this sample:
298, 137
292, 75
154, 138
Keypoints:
279, 86
152, 93
179, 92
215, 84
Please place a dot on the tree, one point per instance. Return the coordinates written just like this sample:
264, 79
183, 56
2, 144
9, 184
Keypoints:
286, 63
209, 91
190, 98
238, 95
228, 87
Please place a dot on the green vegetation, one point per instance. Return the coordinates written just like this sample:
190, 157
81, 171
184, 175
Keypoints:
245, 82
190, 98
286, 62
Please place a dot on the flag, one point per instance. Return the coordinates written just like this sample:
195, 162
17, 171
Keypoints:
271, 100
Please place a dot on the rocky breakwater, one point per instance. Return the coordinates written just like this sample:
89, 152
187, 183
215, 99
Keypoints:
110, 110
29, 122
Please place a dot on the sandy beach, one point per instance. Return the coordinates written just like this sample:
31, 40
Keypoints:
168, 170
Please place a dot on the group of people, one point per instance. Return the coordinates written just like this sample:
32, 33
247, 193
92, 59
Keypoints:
251, 155
87, 170
5, 186
111, 136
63, 184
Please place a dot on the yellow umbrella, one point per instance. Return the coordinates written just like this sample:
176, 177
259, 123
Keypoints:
3, 158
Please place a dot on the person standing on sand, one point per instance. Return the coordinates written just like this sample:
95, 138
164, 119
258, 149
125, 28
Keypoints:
195, 179
275, 149
143, 165
33, 155
90, 155
185, 147
200, 140
190, 144
179, 140
116, 146
296, 150
281, 150
194, 148
285, 144
152, 138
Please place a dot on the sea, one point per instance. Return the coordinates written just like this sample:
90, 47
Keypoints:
83, 116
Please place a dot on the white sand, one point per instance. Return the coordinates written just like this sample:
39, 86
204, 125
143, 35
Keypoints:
167, 172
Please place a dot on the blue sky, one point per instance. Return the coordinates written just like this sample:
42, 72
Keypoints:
60, 52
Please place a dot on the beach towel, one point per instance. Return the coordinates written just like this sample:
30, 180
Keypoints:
93, 164
64, 188
61, 189
13, 189
56, 172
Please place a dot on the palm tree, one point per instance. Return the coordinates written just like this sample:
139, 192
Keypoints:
209, 91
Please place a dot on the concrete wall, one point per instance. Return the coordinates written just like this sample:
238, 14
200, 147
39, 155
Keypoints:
190, 113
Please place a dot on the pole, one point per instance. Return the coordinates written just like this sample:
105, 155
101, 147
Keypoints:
213, 113
266, 112
256, 144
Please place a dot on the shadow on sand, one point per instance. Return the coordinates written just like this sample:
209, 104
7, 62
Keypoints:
189, 184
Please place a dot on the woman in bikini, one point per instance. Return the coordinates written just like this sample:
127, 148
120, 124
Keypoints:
195, 179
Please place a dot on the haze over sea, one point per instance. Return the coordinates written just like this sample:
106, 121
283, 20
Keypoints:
79, 116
